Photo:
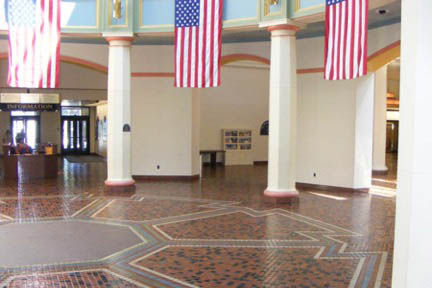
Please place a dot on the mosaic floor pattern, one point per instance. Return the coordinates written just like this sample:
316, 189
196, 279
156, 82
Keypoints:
218, 232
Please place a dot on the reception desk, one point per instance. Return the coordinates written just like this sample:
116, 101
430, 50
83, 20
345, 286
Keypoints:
28, 167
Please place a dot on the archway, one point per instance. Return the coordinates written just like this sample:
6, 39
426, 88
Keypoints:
386, 66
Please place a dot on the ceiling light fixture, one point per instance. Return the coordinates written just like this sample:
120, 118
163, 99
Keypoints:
382, 11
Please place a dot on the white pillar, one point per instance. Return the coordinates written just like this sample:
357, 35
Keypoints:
363, 137
119, 112
412, 254
282, 116
380, 121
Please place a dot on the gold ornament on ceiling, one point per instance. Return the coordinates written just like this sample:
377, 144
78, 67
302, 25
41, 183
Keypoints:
267, 4
117, 9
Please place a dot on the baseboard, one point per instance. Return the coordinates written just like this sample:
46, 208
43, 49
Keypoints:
96, 154
386, 184
379, 172
260, 162
304, 186
165, 178
208, 164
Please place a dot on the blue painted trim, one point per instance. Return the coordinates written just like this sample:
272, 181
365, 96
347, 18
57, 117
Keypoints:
369, 272
331, 250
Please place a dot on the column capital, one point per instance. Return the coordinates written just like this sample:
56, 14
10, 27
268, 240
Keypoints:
283, 30
119, 40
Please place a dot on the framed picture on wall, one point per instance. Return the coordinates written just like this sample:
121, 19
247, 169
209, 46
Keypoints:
245, 147
231, 146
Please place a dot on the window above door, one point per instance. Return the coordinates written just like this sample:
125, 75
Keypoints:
75, 111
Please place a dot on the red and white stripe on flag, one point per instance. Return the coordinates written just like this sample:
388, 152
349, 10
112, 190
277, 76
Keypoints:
34, 43
346, 39
198, 43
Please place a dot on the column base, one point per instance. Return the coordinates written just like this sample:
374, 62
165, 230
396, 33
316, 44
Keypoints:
282, 196
120, 186
291, 193
277, 197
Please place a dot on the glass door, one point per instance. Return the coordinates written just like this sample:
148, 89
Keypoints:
32, 135
75, 135
27, 127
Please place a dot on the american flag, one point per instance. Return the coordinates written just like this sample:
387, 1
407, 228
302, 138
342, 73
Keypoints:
34, 43
346, 39
198, 42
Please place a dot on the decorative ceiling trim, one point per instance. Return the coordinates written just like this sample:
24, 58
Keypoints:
77, 61
104, 69
243, 57
84, 63
375, 61
153, 74
384, 56
310, 70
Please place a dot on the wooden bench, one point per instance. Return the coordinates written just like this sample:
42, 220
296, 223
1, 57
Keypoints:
213, 155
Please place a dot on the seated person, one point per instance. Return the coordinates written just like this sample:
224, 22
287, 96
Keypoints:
21, 147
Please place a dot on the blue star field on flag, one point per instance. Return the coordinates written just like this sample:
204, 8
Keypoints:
187, 13
333, 2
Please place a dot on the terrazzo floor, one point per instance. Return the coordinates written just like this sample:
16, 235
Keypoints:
216, 232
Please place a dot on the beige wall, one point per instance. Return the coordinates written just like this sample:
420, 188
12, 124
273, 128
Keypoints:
334, 128
50, 128
240, 102
334, 132
163, 128
196, 133
4, 125
93, 141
